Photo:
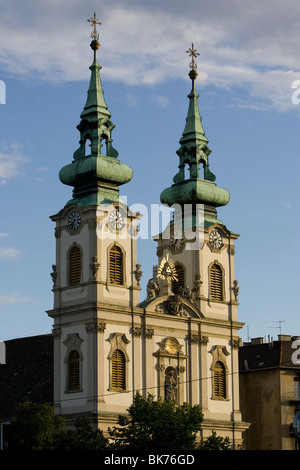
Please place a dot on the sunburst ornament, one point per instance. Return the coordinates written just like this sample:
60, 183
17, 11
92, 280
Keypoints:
167, 269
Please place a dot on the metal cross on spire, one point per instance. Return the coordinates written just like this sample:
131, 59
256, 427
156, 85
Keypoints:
193, 66
193, 54
94, 21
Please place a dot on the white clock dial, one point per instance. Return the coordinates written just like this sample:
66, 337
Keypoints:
116, 220
74, 221
215, 239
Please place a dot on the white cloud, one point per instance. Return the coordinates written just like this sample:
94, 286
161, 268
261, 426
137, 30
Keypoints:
253, 45
9, 253
161, 101
287, 204
13, 299
12, 162
131, 100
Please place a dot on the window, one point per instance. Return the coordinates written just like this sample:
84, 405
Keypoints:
176, 285
73, 371
216, 282
219, 380
118, 362
118, 370
74, 266
116, 265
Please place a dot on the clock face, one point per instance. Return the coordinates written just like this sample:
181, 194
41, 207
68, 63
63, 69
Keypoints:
116, 220
215, 239
74, 221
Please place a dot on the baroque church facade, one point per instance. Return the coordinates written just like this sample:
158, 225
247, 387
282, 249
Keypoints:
180, 343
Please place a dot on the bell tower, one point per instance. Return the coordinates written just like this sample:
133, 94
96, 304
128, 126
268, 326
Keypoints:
194, 283
96, 275
198, 243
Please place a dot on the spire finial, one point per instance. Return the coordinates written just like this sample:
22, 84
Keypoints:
95, 36
193, 66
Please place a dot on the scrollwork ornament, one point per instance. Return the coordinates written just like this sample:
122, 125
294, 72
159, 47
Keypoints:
204, 340
136, 331
148, 332
194, 338
97, 327
94, 266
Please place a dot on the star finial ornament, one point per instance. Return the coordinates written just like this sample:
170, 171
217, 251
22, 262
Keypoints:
94, 21
193, 66
193, 54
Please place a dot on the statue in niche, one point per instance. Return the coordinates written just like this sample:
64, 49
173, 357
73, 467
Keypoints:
170, 384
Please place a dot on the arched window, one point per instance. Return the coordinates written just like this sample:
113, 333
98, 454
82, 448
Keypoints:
219, 380
87, 145
73, 371
180, 282
216, 282
118, 370
104, 141
116, 265
74, 266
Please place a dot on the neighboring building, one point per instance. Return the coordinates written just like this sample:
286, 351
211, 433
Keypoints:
270, 392
182, 342
27, 373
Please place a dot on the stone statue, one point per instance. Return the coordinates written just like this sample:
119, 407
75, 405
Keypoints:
171, 385
152, 289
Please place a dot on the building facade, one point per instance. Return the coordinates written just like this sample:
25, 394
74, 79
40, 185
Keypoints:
270, 392
182, 342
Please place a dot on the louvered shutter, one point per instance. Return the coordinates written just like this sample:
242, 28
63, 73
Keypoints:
116, 265
216, 282
176, 285
118, 370
74, 266
219, 380
73, 371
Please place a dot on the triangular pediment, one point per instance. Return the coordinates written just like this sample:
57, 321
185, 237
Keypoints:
173, 305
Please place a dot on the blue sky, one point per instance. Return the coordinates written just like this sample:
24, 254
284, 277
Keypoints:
249, 59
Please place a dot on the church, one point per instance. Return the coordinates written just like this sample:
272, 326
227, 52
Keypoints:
181, 343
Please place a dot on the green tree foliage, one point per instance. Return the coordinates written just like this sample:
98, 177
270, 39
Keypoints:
215, 442
157, 425
151, 425
83, 437
33, 427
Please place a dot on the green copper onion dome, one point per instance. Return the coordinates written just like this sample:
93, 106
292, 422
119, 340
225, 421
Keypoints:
95, 172
194, 188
